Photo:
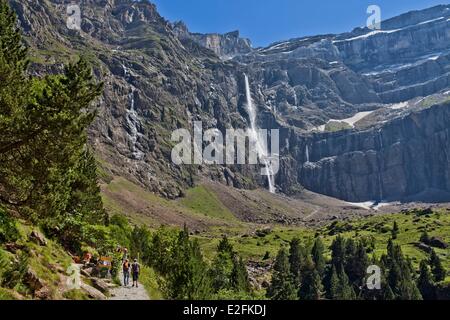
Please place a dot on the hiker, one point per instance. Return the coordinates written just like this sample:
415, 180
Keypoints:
125, 255
126, 272
135, 269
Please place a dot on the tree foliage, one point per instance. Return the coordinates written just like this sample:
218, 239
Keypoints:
47, 172
282, 286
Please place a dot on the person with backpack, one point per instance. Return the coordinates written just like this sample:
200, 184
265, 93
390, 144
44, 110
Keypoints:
126, 272
125, 254
135, 269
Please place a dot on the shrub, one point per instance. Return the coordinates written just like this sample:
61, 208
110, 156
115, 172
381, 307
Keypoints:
15, 274
99, 237
233, 295
8, 229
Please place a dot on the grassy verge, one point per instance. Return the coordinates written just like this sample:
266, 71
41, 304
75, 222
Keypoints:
334, 126
6, 294
49, 262
76, 294
149, 280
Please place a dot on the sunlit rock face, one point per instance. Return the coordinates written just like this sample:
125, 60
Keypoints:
226, 45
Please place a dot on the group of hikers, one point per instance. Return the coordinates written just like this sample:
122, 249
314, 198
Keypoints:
134, 268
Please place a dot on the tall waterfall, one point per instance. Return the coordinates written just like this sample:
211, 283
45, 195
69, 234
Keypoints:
132, 121
256, 139
125, 70
380, 138
380, 180
307, 154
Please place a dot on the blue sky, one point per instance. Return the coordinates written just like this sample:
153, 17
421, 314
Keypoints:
267, 21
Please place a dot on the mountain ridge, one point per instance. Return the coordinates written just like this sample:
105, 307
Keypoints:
160, 79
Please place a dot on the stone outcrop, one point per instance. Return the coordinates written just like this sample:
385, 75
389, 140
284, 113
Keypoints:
100, 285
92, 292
226, 45
438, 242
38, 287
37, 238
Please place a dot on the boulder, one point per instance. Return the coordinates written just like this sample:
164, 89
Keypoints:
43, 294
100, 285
13, 247
92, 292
424, 247
263, 232
33, 281
37, 238
87, 271
438, 242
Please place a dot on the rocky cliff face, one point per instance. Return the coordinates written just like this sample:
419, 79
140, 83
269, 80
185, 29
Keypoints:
404, 157
409, 57
159, 77
154, 83
226, 45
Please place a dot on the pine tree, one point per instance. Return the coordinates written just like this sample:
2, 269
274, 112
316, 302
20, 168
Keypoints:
350, 259
400, 274
225, 246
296, 260
425, 282
12, 49
161, 254
357, 267
408, 290
140, 244
14, 93
345, 289
395, 230
306, 274
388, 294
317, 253
437, 269
340, 287
220, 271
46, 172
239, 276
39, 163
425, 238
334, 284
338, 249
282, 287
199, 286
187, 278
84, 204
86, 198
313, 287
223, 266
